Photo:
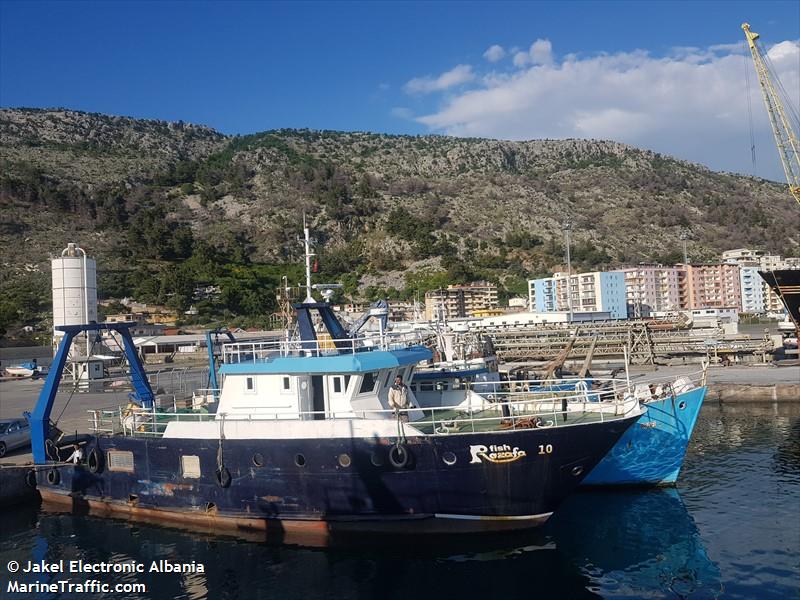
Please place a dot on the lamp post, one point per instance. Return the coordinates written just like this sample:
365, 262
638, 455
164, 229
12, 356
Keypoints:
684, 236
567, 227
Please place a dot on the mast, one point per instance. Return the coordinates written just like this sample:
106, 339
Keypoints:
309, 255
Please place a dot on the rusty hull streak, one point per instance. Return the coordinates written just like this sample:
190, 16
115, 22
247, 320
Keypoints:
310, 532
272, 498
163, 489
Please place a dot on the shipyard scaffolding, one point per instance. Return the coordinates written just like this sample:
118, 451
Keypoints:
644, 342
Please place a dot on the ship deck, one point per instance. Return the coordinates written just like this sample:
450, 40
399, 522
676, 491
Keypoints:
443, 421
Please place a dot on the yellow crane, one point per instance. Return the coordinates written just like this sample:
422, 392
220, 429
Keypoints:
785, 137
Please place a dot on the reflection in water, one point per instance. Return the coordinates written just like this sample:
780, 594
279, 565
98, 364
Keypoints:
490, 567
744, 496
787, 456
732, 532
628, 542
636, 542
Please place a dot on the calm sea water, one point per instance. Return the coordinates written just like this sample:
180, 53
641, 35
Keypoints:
730, 530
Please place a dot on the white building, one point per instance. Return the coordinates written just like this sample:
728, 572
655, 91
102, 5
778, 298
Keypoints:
595, 292
651, 288
752, 289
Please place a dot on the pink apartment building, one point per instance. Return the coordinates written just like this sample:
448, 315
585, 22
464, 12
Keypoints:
714, 285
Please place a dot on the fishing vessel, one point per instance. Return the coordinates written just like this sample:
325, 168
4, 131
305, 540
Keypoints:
653, 450
300, 443
650, 453
463, 364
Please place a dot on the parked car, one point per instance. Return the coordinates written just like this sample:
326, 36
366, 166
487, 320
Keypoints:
14, 433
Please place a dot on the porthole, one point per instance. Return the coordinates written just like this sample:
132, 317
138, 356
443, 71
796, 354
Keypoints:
344, 460
577, 471
377, 459
300, 460
682, 405
258, 460
449, 458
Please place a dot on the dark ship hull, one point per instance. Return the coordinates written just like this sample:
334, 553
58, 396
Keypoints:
443, 488
786, 283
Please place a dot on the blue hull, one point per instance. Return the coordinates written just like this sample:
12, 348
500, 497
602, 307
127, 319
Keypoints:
652, 451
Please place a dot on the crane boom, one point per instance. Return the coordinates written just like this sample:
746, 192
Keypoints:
785, 138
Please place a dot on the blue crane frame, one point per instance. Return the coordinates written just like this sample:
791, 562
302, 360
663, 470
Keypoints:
40, 418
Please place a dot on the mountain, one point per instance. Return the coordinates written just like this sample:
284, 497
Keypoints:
406, 212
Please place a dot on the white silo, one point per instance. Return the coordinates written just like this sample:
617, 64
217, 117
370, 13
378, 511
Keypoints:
74, 295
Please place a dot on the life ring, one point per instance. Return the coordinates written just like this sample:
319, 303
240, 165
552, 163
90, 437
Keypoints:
223, 477
53, 477
95, 461
398, 455
30, 479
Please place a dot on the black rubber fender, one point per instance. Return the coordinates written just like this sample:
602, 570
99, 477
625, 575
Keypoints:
223, 477
95, 461
398, 455
30, 479
53, 477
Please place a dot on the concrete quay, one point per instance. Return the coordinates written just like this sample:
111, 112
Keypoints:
754, 383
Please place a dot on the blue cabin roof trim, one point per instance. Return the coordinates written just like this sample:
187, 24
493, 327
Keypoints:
448, 374
359, 362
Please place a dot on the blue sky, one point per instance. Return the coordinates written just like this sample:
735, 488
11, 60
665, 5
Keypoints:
662, 75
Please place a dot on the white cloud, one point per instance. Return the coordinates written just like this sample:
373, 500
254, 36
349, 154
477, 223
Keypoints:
691, 104
401, 112
540, 53
494, 53
455, 76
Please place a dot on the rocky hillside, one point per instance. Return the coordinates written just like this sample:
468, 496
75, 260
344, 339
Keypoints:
391, 211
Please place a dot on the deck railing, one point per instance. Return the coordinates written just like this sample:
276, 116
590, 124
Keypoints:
257, 351
509, 405
511, 411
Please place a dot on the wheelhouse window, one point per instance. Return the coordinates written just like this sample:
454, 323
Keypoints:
389, 379
286, 384
337, 385
368, 383
250, 384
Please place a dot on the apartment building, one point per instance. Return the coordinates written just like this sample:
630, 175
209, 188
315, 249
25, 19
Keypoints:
753, 288
593, 292
712, 285
651, 288
757, 295
458, 301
